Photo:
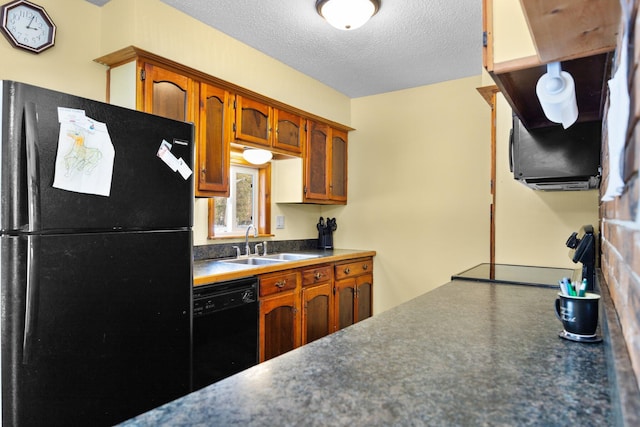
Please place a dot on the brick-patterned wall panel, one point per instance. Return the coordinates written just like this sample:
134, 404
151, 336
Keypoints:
620, 220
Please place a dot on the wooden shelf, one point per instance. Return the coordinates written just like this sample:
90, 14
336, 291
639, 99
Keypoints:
518, 85
560, 30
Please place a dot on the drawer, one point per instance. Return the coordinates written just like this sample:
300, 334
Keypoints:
354, 268
318, 274
275, 283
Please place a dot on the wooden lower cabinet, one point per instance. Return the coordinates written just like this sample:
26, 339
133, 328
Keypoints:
279, 325
353, 288
300, 306
279, 314
317, 303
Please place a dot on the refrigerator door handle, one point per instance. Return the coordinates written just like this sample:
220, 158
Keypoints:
33, 204
31, 300
33, 166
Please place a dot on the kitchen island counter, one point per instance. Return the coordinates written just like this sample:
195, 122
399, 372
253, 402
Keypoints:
466, 353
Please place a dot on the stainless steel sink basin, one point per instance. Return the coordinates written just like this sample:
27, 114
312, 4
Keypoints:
254, 261
290, 256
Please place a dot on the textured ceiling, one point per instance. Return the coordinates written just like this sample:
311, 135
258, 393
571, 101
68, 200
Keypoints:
408, 43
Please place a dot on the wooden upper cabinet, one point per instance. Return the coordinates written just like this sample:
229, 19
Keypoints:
326, 164
317, 162
169, 94
225, 116
214, 131
259, 124
289, 132
253, 121
338, 183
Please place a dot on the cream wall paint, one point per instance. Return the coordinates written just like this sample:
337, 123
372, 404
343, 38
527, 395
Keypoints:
68, 66
511, 38
418, 186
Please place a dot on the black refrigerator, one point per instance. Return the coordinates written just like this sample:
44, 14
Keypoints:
96, 287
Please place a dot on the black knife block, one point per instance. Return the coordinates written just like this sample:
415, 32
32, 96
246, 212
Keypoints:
325, 238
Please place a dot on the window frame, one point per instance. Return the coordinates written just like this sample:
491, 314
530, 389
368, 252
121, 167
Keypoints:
263, 220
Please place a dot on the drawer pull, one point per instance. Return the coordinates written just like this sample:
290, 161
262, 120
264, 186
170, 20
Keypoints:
281, 284
347, 270
365, 266
318, 275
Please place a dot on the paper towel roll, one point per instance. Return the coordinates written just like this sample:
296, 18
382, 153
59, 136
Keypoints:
557, 94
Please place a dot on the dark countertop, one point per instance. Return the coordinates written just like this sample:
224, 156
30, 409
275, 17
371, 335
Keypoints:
466, 353
213, 270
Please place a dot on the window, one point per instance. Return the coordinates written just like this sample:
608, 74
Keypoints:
233, 214
248, 202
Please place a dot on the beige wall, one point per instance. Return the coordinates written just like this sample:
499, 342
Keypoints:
418, 186
511, 38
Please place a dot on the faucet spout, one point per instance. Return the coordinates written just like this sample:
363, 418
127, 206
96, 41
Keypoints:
246, 238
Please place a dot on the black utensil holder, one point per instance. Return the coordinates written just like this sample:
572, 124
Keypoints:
325, 239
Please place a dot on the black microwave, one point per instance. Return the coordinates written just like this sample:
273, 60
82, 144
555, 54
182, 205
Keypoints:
556, 159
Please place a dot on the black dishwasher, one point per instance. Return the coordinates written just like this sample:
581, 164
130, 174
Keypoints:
225, 329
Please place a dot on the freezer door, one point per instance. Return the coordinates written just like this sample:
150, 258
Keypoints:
103, 333
145, 192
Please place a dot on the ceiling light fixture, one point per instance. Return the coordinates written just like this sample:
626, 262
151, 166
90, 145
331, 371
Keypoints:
256, 156
347, 14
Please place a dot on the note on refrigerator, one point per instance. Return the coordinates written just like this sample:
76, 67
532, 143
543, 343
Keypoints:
84, 160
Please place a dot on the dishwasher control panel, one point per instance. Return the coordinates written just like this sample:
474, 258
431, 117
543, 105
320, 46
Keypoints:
215, 297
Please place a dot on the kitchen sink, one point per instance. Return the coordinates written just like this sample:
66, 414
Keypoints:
254, 261
290, 256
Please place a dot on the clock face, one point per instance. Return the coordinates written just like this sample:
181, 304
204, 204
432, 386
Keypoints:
27, 26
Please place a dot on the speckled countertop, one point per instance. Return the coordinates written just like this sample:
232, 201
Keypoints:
466, 353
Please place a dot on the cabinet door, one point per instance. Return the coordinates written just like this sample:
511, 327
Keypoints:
344, 303
169, 94
279, 325
289, 131
316, 171
213, 142
364, 297
253, 121
338, 185
317, 312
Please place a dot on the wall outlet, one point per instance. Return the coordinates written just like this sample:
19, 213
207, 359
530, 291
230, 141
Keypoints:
280, 221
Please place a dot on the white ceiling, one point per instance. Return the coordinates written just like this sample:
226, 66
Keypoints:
408, 43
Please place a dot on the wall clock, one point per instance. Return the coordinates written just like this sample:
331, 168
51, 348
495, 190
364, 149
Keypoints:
27, 26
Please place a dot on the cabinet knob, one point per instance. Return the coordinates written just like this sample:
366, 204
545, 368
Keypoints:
365, 266
347, 270
281, 283
318, 275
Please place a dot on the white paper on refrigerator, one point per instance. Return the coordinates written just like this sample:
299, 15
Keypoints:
84, 161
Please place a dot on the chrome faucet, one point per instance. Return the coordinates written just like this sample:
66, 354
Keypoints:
246, 238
